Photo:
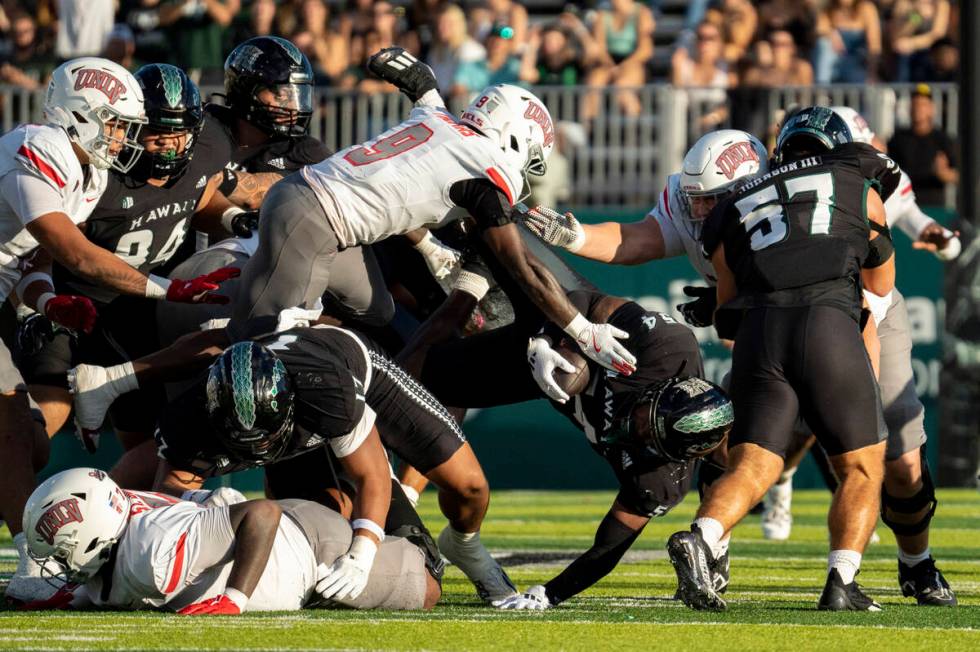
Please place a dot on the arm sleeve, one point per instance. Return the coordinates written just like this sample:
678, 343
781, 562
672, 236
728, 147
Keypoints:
903, 211
31, 196
484, 201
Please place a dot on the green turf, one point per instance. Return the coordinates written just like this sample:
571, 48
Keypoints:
771, 601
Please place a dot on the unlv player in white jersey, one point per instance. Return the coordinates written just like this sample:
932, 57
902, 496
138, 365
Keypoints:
223, 555
51, 176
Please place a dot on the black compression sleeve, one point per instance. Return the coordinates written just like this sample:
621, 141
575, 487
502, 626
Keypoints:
229, 181
484, 201
612, 540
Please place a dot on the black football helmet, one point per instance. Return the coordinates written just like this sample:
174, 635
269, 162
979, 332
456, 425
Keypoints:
173, 104
809, 131
274, 68
676, 419
250, 403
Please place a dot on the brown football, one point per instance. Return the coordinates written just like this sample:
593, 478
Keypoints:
572, 382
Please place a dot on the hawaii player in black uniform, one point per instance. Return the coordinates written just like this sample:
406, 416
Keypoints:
792, 249
305, 388
143, 217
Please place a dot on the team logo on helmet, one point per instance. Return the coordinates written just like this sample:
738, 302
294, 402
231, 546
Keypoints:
100, 80
734, 156
173, 87
97, 474
56, 517
241, 379
537, 114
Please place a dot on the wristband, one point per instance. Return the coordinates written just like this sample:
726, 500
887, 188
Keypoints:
236, 596
42, 302
472, 284
32, 278
228, 217
578, 324
156, 287
370, 526
229, 181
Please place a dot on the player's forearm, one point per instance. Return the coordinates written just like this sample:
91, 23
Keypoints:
186, 356
104, 268
255, 523
543, 289
252, 187
621, 244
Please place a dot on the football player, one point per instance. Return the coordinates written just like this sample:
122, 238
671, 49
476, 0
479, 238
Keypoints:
649, 427
220, 556
143, 217
51, 175
791, 250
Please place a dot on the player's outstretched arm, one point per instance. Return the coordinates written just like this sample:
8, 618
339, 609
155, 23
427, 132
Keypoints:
255, 524
609, 242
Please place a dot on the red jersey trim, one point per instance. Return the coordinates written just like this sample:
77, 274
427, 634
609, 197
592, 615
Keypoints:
498, 181
41, 165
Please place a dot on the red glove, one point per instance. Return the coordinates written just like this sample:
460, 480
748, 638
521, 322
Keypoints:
198, 290
60, 600
76, 313
219, 606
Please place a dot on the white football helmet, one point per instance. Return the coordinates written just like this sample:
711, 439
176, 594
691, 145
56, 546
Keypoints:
716, 163
518, 121
860, 129
74, 518
88, 94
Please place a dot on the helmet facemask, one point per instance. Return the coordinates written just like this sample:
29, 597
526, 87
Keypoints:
286, 109
259, 446
100, 149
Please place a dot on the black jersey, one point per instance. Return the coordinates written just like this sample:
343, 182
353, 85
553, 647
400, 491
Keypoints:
330, 370
145, 224
283, 155
798, 235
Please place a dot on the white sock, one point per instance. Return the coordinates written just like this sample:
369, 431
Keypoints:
711, 532
847, 563
786, 476
911, 560
722, 547
465, 539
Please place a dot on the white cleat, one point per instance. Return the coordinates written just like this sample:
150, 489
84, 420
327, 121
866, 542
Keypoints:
491, 581
28, 585
777, 519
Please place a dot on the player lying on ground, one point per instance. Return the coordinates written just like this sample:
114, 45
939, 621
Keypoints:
222, 556
649, 427
788, 249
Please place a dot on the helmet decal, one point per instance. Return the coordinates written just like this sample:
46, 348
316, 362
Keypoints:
244, 56
734, 156
537, 114
278, 372
56, 517
100, 80
173, 86
718, 417
290, 49
241, 378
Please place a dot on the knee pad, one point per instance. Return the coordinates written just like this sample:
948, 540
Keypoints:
708, 472
926, 497
421, 538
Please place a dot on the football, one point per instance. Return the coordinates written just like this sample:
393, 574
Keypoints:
572, 382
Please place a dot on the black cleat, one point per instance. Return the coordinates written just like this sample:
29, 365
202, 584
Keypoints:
693, 564
838, 596
926, 584
720, 573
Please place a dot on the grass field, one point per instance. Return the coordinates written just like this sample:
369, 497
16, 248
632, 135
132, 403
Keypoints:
772, 597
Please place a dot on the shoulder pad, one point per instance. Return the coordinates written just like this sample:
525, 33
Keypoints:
46, 151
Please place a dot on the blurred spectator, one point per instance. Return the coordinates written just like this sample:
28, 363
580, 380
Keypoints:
196, 30
83, 27
915, 26
486, 15
458, 61
143, 18
925, 152
555, 187
327, 50
777, 63
798, 17
623, 34
503, 65
737, 20
705, 68
850, 42
30, 61
422, 17
259, 20
944, 61
356, 21
551, 59
121, 47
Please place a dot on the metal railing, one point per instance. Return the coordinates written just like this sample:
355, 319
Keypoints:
613, 159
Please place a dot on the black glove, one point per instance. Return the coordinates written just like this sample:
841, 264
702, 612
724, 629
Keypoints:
243, 224
396, 66
699, 312
36, 331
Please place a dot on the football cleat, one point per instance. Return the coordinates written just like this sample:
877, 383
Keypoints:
31, 583
491, 581
926, 583
720, 571
777, 521
838, 596
693, 562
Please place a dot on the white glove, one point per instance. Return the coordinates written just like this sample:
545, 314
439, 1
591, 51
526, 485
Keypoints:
554, 228
439, 258
348, 575
878, 305
544, 360
598, 341
94, 389
951, 250
534, 599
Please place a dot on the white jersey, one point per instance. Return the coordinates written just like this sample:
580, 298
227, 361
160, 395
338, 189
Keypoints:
401, 181
39, 174
903, 211
175, 553
681, 235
